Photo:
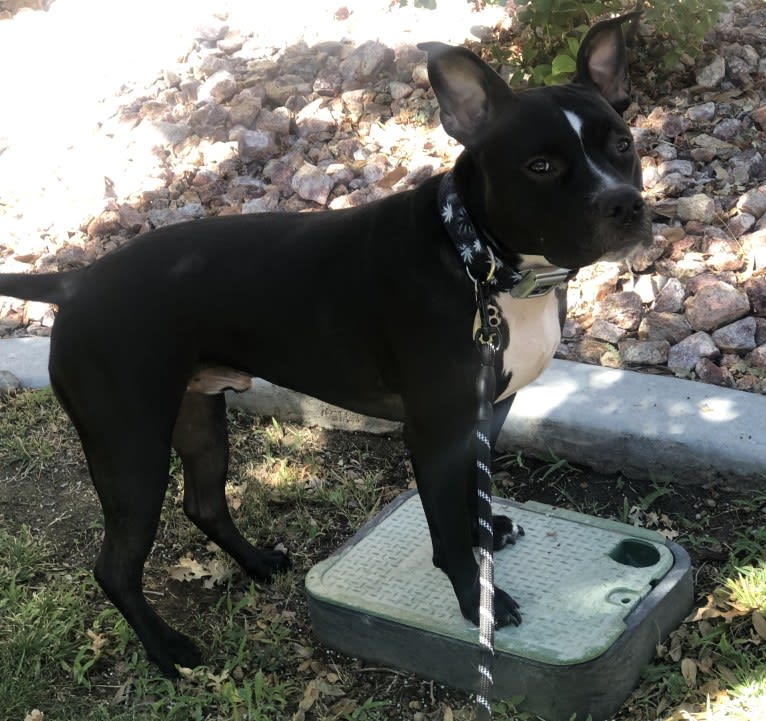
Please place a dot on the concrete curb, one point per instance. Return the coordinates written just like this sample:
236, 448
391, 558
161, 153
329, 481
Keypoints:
641, 425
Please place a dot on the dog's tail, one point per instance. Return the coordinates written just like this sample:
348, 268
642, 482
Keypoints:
46, 287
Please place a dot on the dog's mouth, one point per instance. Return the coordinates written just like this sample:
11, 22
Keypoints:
607, 242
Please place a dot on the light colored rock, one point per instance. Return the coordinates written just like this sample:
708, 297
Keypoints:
703, 113
670, 299
752, 202
219, 87
711, 75
682, 167
696, 207
256, 145
740, 224
314, 119
311, 183
367, 61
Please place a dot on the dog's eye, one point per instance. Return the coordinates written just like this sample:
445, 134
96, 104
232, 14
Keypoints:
624, 145
540, 165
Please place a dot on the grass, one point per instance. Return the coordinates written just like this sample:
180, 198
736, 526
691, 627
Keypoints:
66, 651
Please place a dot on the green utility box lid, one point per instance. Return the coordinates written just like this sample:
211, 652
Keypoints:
596, 597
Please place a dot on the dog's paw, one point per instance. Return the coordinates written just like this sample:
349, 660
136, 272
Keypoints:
176, 650
264, 563
507, 611
505, 531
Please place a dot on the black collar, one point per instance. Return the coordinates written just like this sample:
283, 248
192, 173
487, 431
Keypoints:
480, 256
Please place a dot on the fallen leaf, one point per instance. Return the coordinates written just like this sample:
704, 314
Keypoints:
219, 571
97, 642
188, 570
689, 671
310, 695
759, 624
727, 675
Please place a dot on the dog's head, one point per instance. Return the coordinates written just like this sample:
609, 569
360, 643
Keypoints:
550, 171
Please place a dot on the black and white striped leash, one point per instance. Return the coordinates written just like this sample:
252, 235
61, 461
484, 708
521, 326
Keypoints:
490, 275
488, 342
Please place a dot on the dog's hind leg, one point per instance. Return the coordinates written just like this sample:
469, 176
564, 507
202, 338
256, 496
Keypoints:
131, 476
201, 440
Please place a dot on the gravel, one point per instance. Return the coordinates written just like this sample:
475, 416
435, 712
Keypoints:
237, 123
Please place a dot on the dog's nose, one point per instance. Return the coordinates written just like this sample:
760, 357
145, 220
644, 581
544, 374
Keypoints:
621, 204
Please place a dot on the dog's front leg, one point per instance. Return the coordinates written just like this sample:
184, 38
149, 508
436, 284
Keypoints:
444, 469
505, 530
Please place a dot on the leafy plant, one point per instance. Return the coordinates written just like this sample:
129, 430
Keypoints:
552, 30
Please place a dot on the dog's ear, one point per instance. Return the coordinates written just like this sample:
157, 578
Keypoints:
468, 90
601, 61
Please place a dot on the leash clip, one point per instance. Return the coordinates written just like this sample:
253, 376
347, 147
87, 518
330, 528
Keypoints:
487, 335
534, 283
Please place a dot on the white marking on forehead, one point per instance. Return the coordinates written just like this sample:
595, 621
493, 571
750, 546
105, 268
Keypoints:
576, 123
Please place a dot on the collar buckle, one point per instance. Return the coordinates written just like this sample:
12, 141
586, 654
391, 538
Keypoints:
534, 283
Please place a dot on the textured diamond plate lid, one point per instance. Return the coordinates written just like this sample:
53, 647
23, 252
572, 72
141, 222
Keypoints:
576, 578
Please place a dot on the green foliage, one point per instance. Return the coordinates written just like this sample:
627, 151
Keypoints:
681, 25
552, 30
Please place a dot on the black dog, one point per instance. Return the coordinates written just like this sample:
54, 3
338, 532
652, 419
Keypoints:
369, 308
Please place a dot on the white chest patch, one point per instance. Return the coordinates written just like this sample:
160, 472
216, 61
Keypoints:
533, 336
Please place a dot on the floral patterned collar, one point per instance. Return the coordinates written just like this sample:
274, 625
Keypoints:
482, 263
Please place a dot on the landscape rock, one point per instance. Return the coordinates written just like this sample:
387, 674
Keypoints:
256, 145
696, 207
712, 74
671, 297
367, 61
670, 327
737, 337
311, 183
9, 383
644, 352
314, 119
220, 87
758, 356
752, 202
606, 331
623, 309
716, 305
684, 356
755, 288
709, 372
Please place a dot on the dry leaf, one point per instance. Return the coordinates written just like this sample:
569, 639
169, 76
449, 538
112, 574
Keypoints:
35, 715
219, 571
448, 714
727, 675
97, 642
689, 671
759, 624
188, 570
310, 695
